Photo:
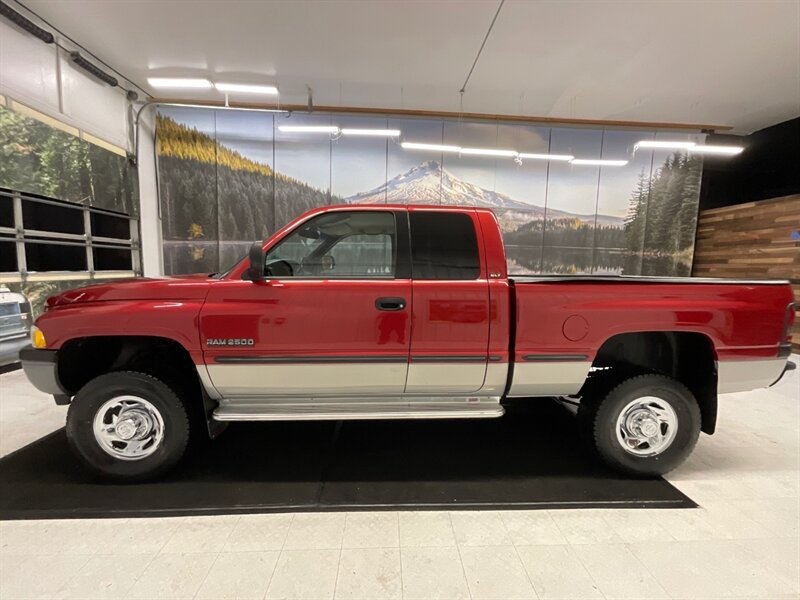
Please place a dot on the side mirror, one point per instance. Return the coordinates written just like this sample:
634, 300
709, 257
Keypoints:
255, 272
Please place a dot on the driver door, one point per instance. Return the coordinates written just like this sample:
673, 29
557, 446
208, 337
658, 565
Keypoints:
332, 318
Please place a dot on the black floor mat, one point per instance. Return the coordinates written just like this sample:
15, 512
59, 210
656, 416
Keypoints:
531, 458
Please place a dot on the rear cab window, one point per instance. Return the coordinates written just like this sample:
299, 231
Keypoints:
444, 246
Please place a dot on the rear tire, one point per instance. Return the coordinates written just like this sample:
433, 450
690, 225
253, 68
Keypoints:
128, 426
646, 426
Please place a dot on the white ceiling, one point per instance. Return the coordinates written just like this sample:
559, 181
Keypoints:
716, 62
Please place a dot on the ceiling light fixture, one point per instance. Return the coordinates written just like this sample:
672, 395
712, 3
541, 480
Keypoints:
26, 24
433, 147
309, 129
488, 152
598, 162
664, 144
93, 70
725, 150
373, 132
175, 82
246, 88
565, 157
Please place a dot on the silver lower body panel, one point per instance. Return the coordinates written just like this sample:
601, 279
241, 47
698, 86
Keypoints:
746, 375
318, 379
548, 378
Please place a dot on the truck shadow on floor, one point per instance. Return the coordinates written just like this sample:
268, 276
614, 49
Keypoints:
531, 458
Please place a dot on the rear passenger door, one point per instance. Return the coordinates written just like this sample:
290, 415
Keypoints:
450, 308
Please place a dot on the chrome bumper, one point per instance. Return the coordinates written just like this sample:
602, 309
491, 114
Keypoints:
41, 369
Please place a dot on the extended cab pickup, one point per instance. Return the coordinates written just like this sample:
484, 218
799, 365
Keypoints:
400, 312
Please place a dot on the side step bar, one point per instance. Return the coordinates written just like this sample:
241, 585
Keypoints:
266, 411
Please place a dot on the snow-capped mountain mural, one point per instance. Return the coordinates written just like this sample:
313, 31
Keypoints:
430, 183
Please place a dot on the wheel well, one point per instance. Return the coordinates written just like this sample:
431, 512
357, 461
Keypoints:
81, 360
687, 357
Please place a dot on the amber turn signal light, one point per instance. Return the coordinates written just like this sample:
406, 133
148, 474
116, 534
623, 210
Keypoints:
37, 338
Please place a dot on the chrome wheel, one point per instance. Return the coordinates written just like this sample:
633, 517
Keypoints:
647, 426
128, 428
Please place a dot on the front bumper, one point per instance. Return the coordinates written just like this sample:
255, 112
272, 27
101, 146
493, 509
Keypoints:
41, 369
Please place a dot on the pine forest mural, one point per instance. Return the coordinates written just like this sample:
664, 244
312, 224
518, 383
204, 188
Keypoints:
227, 178
39, 159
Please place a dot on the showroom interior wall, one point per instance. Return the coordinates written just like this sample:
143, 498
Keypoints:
64, 136
749, 224
227, 178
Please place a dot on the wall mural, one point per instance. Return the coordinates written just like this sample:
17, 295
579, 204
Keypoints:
227, 178
40, 159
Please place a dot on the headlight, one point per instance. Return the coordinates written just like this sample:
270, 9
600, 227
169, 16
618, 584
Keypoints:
37, 338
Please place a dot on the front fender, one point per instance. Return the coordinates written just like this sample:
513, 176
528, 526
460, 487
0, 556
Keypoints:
176, 320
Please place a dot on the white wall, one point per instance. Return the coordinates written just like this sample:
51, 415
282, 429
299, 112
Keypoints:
150, 220
44, 78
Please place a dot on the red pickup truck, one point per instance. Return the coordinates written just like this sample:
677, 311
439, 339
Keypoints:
400, 312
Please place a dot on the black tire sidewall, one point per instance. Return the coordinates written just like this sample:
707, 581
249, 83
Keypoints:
679, 398
84, 407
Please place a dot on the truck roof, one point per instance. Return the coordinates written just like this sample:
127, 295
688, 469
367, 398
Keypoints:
406, 207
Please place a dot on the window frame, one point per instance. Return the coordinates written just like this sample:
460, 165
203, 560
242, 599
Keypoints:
402, 258
22, 234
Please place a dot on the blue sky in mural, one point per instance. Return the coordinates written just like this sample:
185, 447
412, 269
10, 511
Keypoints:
304, 156
249, 133
358, 162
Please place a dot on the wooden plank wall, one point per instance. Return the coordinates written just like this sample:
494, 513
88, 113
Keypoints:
752, 240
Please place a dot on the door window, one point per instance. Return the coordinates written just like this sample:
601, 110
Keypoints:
344, 245
443, 246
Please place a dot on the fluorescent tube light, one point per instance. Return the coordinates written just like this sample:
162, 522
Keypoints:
173, 82
665, 144
216, 107
598, 162
726, 150
246, 88
309, 128
434, 147
546, 156
375, 132
488, 152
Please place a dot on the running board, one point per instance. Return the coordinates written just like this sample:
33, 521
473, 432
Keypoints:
266, 411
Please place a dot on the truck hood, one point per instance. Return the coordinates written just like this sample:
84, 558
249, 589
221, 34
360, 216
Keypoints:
189, 287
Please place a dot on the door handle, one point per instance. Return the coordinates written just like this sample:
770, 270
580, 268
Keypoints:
390, 303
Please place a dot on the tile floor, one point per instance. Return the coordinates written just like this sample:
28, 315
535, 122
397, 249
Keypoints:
743, 542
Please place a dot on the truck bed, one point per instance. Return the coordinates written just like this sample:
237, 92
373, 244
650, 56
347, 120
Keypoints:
562, 322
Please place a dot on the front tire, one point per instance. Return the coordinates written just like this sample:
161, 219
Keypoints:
128, 426
646, 426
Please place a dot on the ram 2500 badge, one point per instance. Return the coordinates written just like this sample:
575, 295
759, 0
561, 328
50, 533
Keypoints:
400, 312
